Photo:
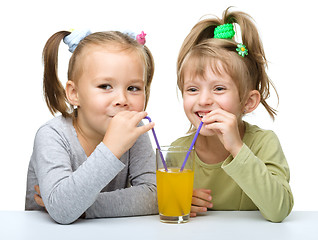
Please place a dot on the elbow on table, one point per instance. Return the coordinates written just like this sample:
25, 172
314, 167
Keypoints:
278, 215
64, 220
276, 218
62, 215
63, 210
277, 211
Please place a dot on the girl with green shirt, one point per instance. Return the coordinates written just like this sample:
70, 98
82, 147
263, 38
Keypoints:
238, 166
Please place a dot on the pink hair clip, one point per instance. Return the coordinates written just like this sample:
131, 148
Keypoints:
141, 38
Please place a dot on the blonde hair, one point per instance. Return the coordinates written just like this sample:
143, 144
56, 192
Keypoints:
54, 92
200, 49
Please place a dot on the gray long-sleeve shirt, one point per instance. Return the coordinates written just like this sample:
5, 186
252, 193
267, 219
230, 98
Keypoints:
100, 185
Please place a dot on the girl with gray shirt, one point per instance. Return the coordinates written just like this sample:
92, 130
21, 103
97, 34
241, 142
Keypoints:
95, 160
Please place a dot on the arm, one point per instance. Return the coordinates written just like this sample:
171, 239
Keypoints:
141, 197
263, 176
67, 193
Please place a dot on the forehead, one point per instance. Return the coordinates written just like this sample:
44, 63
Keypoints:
205, 69
103, 54
99, 62
111, 48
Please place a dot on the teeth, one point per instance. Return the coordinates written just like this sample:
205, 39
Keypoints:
201, 115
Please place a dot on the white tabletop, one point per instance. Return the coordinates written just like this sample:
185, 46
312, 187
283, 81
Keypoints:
213, 225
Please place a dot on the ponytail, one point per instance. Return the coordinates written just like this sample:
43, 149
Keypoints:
252, 40
54, 92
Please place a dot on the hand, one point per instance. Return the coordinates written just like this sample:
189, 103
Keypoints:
37, 197
123, 132
225, 125
201, 200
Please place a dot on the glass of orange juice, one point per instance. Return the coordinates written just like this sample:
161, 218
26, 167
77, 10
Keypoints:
174, 187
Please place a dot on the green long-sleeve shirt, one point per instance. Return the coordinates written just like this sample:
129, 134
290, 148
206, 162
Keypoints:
256, 179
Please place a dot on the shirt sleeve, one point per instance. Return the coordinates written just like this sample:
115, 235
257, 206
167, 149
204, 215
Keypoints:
264, 176
67, 194
141, 197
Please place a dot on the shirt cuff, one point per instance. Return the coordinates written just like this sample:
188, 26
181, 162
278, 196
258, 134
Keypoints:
231, 164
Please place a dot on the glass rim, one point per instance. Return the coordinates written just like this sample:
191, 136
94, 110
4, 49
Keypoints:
170, 148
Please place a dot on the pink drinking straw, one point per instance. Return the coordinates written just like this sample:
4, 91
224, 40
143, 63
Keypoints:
158, 146
191, 146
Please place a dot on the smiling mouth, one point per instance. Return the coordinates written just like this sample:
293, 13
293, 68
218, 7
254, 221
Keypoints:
201, 114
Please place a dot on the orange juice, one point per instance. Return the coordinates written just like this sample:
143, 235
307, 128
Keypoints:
174, 190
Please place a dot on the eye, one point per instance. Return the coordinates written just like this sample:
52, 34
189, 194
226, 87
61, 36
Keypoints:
105, 86
133, 88
219, 88
192, 89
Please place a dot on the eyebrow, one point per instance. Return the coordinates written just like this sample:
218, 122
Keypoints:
136, 80
214, 81
110, 80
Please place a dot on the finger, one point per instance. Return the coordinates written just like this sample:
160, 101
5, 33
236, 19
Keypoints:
217, 115
196, 209
142, 114
201, 203
207, 191
216, 126
37, 189
223, 127
193, 214
38, 200
217, 111
204, 194
212, 113
137, 116
216, 118
145, 128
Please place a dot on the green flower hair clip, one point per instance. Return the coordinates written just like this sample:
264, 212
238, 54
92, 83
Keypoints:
242, 50
224, 31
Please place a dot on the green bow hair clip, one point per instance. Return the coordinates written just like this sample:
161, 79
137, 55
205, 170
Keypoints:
224, 31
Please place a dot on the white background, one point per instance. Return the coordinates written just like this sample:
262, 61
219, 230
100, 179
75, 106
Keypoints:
288, 30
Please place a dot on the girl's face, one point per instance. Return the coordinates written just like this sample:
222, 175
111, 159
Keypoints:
111, 81
203, 94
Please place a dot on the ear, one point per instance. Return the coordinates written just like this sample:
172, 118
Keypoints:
254, 98
71, 93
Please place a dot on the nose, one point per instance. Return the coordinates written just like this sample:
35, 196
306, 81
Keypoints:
120, 99
205, 98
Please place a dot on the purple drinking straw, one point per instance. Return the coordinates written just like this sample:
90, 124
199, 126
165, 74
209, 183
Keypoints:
191, 146
158, 146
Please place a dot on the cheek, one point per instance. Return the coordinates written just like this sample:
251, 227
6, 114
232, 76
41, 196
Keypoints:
230, 104
138, 103
225, 103
188, 104
97, 105
99, 101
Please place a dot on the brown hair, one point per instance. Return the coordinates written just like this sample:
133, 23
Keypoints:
54, 92
200, 48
